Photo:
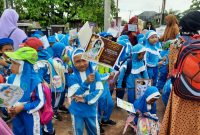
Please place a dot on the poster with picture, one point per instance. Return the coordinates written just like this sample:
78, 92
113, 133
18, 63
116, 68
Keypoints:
102, 51
9, 95
140, 86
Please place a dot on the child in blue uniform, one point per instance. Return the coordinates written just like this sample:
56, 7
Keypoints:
85, 88
137, 70
152, 55
27, 119
146, 105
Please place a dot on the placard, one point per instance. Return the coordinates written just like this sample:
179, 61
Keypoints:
9, 95
141, 86
102, 51
132, 27
45, 41
125, 105
84, 35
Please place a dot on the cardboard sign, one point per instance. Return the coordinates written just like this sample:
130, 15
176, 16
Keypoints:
84, 35
132, 27
45, 41
113, 32
9, 95
102, 51
125, 105
73, 34
141, 86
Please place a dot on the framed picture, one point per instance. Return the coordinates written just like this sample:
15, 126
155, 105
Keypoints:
140, 86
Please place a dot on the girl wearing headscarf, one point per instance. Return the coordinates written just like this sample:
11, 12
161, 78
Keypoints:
182, 116
85, 88
27, 119
60, 70
147, 103
172, 29
131, 34
9, 29
42, 67
137, 71
152, 55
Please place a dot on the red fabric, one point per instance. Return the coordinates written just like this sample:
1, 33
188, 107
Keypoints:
33, 43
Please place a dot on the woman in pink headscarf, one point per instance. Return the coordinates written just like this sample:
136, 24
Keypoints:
9, 28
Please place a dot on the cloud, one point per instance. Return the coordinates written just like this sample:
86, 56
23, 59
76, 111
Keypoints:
138, 6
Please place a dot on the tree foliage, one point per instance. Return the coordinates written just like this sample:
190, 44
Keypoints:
60, 11
1, 6
194, 6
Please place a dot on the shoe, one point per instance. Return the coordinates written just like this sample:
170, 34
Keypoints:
46, 133
108, 122
63, 109
102, 131
57, 116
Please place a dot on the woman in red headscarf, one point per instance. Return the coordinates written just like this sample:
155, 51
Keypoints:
131, 34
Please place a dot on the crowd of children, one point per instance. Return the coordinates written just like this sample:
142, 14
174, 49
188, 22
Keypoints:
86, 85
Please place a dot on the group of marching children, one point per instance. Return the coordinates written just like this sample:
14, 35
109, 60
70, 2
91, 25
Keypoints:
88, 87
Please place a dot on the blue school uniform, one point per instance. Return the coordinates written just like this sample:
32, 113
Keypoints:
152, 58
141, 103
105, 102
163, 71
42, 68
84, 113
138, 71
27, 122
166, 91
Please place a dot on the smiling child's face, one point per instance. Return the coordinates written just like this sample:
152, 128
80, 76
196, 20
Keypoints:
80, 64
153, 39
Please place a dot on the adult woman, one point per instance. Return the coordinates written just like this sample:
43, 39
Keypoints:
182, 117
131, 34
9, 29
172, 29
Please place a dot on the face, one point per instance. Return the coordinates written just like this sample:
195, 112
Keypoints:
15, 67
80, 64
7, 48
149, 25
141, 55
153, 39
112, 24
151, 101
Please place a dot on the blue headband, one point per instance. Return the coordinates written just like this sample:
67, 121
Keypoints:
6, 41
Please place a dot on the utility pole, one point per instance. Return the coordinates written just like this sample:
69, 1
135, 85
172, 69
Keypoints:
117, 13
163, 12
130, 14
107, 8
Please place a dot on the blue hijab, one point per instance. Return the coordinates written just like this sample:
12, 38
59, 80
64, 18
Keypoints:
29, 80
88, 71
138, 66
141, 103
43, 55
148, 44
58, 49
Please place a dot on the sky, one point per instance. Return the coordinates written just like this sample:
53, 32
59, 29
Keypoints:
138, 6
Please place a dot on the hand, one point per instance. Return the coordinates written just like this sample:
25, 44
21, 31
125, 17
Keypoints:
79, 99
90, 78
160, 63
3, 62
10, 111
111, 76
16, 109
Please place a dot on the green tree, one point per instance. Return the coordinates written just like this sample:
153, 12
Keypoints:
60, 11
1, 6
194, 6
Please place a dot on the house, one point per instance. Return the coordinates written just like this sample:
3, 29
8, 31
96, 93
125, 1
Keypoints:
148, 15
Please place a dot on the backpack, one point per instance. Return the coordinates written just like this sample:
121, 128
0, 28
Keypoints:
186, 73
46, 112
